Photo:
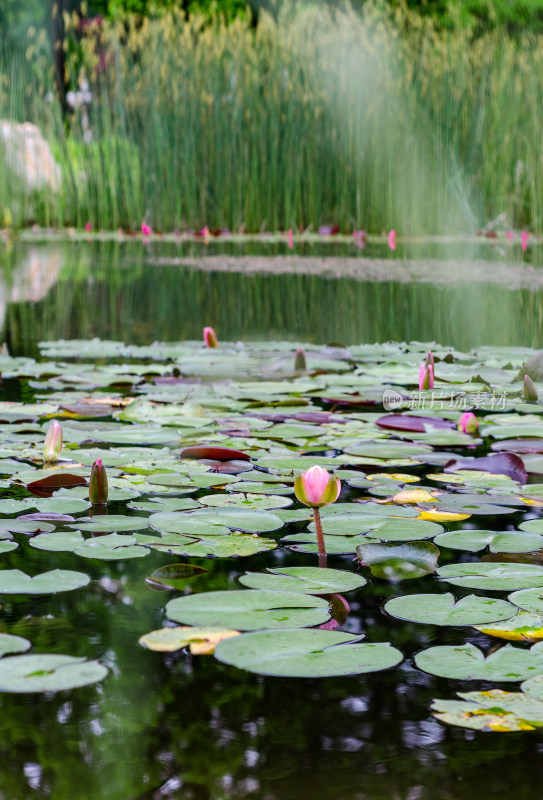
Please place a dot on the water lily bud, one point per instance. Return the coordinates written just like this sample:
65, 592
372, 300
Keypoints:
468, 423
98, 491
300, 364
429, 361
530, 392
426, 377
53, 442
316, 487
210, 337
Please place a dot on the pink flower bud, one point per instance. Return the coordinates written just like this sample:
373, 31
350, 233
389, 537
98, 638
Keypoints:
53, 442
210, 337
524, 240
530, 392
468, 423
426, 377
429, 361
290, 238
300, 364
146, 229
98, 490
316, 487
88, 227
392, 239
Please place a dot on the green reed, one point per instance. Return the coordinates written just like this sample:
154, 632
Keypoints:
315, 117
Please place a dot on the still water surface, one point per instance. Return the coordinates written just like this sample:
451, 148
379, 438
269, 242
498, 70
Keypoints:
177, 726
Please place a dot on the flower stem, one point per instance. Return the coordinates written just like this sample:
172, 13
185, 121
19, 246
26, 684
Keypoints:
320, 537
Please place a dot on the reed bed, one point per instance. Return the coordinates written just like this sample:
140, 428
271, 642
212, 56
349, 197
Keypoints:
315, 117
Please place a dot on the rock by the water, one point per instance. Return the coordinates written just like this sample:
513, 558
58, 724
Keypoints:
29, 156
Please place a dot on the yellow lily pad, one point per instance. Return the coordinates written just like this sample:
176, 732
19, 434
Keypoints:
202, 641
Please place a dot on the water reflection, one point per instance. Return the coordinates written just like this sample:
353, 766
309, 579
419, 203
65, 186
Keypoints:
139, 295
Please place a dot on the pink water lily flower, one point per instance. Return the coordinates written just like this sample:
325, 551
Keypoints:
316, 487
88, 227
468, 423
510, 236
392, 239
290, 238
146, 229
524, 240
210, 337
426, 377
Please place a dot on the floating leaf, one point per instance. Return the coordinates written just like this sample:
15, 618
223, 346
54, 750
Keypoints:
441, 609
13, 581
524, 627
500, 464
528, 599
496, 541
309, 580
399, 562
213, 452
249, 610
492, 711
13, 644
48, 673
239, 500
493, 575
105, 523
306, 654
202, 641
111, 548
204, 518
467, 662
175, 576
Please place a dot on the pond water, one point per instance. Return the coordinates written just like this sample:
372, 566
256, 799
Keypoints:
174, 725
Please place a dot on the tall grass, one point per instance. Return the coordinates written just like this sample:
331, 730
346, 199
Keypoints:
315, 117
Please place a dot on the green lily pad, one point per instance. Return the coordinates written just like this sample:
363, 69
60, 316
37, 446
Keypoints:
441, 609
467, 662
493, 575
399, 562
174, 576
13, 581
528, 600
227, 546
309, 580
306, 654
7, 546
238, 500
58, 542
496, 541
203, 519
104, 523
111, 548
48, 673
249, 609
13, 644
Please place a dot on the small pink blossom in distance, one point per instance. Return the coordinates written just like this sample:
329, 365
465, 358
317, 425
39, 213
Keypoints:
426, 377
524, 240
510, 236
210, 337
205, 232
468, 423
316, 487
290, 238
88, 227
392, 239
146, 229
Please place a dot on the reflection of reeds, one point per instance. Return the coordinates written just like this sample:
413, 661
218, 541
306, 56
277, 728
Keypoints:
317, 117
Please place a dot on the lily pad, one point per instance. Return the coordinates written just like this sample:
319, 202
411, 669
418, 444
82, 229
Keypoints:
441, 609
13, 644
524, 627
493, 575
306, 654
13, 581
104, 523
249, 609
309, 580
494, 711
48, 673
175, 576
496, 541
202, 641
399, 562
467, 662
528, 600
